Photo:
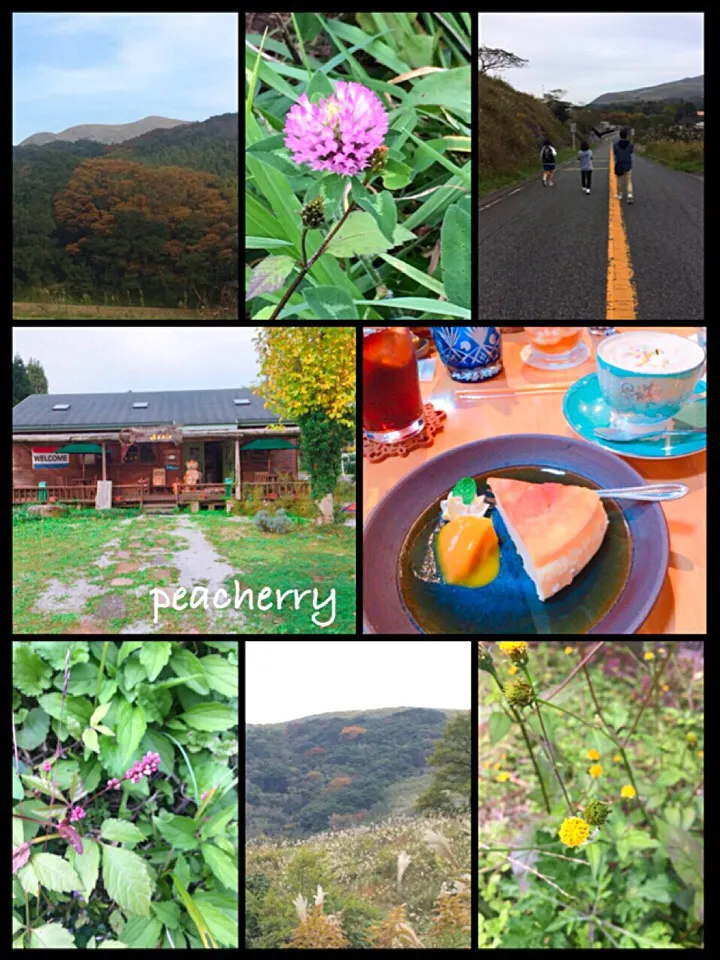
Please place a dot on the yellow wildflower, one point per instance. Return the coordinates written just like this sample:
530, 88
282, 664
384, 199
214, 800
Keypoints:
504, 757
568, 650
628, 791
666, 688
649, 655
515, 649
593, 755
662, 651
502, 777
498, 765
701, 753
617, 758
487, 764
512, 668
574, 831
595, 771
692, 739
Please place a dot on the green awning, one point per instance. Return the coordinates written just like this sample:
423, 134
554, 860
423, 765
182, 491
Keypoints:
80, 448
269, 443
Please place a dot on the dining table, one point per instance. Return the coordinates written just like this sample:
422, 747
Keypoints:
523, 399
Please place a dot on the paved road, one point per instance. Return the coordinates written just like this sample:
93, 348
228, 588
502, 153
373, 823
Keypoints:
544, 251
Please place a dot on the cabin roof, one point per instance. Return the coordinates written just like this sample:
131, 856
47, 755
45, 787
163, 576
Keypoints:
164, 407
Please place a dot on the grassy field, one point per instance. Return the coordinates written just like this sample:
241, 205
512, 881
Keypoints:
63, 571
77, 311
520, 173
689, 157
357, 870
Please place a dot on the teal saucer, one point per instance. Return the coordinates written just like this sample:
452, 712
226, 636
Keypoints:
585, 409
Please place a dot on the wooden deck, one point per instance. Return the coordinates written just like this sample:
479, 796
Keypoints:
135, 494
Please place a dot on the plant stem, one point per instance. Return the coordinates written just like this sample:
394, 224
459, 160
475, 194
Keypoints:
101, 672
548, 749
519, 720
17, 762
304, 249
653, 687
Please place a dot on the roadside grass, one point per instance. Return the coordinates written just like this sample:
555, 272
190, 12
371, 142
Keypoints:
688, 157
76, 311
521, 173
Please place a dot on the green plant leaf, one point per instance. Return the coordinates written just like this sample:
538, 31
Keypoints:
222, 676
55, 873
75, 714
99, 714
44, 786
499, 726
134, 673
90, 739
140, 933
417, 49
224, 868
424, 279
108, 690
195, 914
178, 831
30, 673
113, 945
435, 307
85, 864
455, 242
54, 652
265, 243
154, 656
275, 142
220, 913
185, 664
319, 86
450, 89
217, 823
155, 742
126, 880
330, 303
121, 830
380, 206
269, 275
51, 935
685, 853
396, 175
168, 913
128, 647
210, 716
130, 727
17, 788
28, 880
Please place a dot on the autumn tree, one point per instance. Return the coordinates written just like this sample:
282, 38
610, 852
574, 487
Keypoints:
450, 789
308, 376
337, 783
353, 732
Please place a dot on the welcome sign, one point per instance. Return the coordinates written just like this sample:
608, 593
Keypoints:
44, 457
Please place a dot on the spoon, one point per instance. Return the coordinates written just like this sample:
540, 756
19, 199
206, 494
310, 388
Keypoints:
622, 436
648, 491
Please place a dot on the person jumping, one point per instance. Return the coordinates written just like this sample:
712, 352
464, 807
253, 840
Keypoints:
623, 151
547, 156
585, 157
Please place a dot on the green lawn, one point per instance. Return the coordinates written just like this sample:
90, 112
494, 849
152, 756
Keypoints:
55, 565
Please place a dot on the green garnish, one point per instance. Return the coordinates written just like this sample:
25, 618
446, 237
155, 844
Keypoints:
466, 489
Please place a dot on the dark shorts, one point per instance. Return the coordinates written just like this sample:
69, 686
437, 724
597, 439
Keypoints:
548, 166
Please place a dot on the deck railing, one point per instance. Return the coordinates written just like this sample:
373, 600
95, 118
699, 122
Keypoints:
181, 492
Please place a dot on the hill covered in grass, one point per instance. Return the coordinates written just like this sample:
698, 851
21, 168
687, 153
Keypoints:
333, 770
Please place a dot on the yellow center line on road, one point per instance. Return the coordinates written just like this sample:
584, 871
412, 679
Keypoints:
621, 299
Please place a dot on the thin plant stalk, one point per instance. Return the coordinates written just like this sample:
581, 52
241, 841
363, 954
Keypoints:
653, 687
519, 721
66, 680
548, 749
101, 672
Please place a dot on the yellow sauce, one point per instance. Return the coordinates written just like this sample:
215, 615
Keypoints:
468, 551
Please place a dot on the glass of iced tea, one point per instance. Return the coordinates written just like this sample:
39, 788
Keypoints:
392, 404
555, 348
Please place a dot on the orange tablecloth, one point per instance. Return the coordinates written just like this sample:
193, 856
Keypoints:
523, 399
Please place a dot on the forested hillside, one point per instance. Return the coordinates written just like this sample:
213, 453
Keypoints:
151, 221
335, 770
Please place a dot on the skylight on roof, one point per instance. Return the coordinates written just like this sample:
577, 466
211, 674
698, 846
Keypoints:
140, 405
61, 406
240, 403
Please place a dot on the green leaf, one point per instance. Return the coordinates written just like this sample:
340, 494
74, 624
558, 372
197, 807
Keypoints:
154, 656
17, 788
28, 879
121, 830
142, 933
134, 673
168, 913
83, 679
455, 242
155, 742
210, 716
30, 673
435, 307
178, 831
54, 652
417, 49
51, 935
128, 647
126, 880
224, 868
195, 914
182, 870
499, 726
112, 945
130, 727
380, 206
396, 175
117, 921
308, 25
319, 86
418, 275
75, 714
265, 243
669, 777
685, 853
55, 873
99, 714
637, 840
217, 823
106, 731
107, 690
275, 142
269, 275
90, 739
185, 664
330, 303
44, 786
86, 864
220, 914
450, 89
594, 855
655, 889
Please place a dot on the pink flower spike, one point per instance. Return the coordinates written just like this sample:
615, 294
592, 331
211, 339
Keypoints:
46, 765
339, 133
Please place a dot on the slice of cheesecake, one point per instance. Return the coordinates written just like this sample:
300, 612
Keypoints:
557, 528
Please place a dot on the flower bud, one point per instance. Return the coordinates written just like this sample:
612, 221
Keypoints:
378, 159
485, 661
596, 813
519, 693
313, 213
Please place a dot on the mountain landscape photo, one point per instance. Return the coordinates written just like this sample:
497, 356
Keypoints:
357, 821
127, 211
689, 88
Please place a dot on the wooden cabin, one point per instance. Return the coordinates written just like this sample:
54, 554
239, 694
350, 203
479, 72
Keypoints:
162, 446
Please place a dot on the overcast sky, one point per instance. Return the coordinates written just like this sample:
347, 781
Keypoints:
117, 359
595, 53
291, 679
75, 68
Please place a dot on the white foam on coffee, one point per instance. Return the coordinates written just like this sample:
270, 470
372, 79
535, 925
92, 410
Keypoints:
648, 351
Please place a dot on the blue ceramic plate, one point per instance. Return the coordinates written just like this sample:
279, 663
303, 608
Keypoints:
612, 595
585, 409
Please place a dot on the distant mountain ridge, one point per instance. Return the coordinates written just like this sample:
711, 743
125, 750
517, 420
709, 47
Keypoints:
104, 132
689, 88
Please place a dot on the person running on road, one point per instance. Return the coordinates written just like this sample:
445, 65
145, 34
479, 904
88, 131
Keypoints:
547, 156
586, 167
623, 151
